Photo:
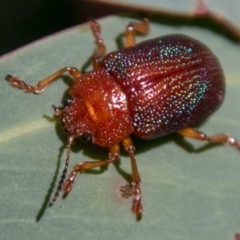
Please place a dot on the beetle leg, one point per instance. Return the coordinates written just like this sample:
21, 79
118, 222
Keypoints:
134, 188
101, 48
42, 85
133, 28
84, 166
200, 8
218, 138
202, 11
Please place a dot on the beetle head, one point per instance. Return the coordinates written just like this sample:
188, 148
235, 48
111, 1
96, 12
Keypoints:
75, 120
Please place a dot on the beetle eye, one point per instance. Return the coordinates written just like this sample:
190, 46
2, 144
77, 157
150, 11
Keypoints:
67, 101
86, 137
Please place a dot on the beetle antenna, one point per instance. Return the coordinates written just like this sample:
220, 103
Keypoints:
64, 173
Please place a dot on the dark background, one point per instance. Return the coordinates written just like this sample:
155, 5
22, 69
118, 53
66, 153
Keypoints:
22, 22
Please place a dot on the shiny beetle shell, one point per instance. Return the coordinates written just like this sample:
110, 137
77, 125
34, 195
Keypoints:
171, 82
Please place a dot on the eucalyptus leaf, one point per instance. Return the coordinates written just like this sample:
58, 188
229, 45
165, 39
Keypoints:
190, 191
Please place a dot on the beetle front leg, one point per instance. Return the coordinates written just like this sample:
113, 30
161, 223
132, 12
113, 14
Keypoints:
42, 85
218, 138
133, 189
133, 28
84, 166
101, 48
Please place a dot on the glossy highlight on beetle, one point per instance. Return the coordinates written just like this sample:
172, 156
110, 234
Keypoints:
167, 81
157, 87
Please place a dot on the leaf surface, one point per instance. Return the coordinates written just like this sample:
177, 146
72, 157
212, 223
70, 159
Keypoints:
187, 193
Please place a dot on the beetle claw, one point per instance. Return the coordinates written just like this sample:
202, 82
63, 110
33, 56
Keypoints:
67, 187
130, 190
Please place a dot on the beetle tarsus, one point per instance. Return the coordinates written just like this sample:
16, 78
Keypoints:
130, 190
17, 83
126, 191
137, 207
67, 186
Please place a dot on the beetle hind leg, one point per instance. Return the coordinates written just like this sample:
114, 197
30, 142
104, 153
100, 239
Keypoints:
218, 138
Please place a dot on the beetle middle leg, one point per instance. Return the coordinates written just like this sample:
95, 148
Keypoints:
218, 138
133, 28
133, 189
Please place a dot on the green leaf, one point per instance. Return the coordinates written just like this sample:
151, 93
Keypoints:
187, 194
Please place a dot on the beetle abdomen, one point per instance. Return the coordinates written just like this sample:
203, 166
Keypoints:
171, 82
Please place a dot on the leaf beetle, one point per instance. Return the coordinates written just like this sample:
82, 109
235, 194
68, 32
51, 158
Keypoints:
150, 89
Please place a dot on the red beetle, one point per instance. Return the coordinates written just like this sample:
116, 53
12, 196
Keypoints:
163, 85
